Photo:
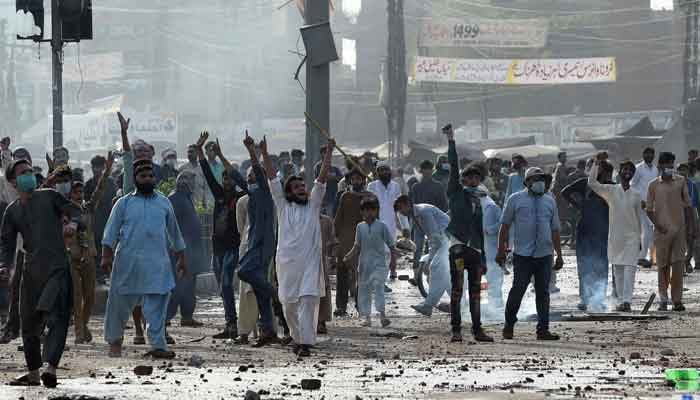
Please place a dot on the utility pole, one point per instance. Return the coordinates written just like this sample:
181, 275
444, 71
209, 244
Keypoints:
396, 79
317, 92
57, 73
484, 113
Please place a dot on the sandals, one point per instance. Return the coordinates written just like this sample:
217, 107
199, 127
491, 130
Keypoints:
24, 381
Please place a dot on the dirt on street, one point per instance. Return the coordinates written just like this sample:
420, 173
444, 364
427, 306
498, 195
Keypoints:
412, 359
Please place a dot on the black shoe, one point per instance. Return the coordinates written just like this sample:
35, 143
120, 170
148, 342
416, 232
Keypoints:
624, 307
49, 380
265, 340
7, 337
547, 335
481, 336
241, 340
679, 307
322, 329
387, 289
302, 350
413, 281
229, 332
444, 307
663, 306
508, 332
340, 313
456, 337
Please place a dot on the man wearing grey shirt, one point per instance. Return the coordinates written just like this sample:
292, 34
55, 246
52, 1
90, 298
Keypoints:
535, 220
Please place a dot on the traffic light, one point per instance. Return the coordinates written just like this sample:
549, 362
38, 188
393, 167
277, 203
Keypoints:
76, 16
36, 8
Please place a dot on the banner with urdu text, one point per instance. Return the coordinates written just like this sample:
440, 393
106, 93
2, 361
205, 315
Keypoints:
516, 72
482, 32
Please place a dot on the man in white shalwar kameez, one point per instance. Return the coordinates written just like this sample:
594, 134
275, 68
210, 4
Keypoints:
644, 173
299, 265
625, 229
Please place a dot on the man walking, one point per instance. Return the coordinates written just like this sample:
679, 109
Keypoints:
645, 172
345, 226
46, 289
387, 191
516, 179
670, 210
625, 229
535, 220
140, 233
299, 266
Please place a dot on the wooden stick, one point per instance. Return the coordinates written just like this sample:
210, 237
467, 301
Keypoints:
325, 134
648, 304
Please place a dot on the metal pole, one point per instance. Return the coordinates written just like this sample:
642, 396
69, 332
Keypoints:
484, 114
317, 92
57, 71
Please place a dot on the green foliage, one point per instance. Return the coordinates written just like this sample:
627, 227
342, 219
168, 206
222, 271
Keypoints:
167, 187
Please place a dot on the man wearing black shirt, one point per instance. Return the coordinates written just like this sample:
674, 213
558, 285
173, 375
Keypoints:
225, 236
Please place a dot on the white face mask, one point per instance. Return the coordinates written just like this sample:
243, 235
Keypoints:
445, 166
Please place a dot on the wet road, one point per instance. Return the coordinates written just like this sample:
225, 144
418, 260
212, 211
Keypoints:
412, 359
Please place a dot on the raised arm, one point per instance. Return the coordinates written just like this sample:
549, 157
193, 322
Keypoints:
602, 190
124, 125
216, 189
326, 166
101, 184
127, 157
453, 184
232, 172
574, 192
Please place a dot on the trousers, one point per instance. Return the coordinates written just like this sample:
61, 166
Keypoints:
439, 269
671, 276
302, 317
524, 269
371, 286
183, 298
473, 273
624, 282
647, 236
83, 274
346, 284
224, 267
119, 308
255, 270
56, 319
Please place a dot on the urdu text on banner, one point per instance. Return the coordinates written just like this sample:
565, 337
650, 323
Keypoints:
516, 72
480, 32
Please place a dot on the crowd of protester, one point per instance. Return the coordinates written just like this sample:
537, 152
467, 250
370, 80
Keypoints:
136, 224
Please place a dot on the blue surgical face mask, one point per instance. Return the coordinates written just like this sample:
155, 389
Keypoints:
538, 187
26, 183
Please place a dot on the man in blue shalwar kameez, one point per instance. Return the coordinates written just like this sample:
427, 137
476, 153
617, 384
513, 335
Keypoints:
143, 228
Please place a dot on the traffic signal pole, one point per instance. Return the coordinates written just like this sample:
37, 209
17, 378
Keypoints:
57, 74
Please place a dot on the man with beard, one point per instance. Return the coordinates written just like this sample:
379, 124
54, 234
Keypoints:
200, 191
169, 169
299, 265
46, 287
255, 264
225, 236
140, 233
345, 223
645, 172
387, 191
146, 151
624, 229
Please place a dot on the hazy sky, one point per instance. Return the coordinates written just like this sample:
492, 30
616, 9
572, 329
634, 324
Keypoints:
659, 4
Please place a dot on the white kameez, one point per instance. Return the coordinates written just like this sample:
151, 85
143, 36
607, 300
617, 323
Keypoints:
299, 266
386, 196
625, 213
